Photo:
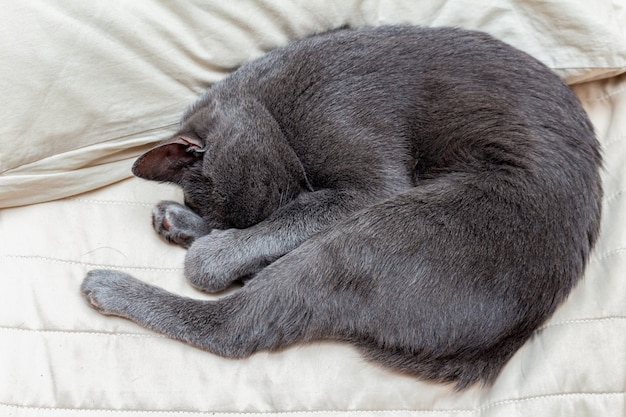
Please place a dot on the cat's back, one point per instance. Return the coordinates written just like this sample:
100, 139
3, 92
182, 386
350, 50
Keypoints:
455, 99
410, 73
415, 81
390, 57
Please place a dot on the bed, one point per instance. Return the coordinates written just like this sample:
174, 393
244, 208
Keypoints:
88, 86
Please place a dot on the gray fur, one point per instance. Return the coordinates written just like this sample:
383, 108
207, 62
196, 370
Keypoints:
428, 195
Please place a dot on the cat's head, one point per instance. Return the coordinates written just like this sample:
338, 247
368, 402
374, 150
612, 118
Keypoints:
235, 169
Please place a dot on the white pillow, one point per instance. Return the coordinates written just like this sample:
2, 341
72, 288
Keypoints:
88, 86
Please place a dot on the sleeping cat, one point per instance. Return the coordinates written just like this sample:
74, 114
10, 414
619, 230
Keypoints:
428, 195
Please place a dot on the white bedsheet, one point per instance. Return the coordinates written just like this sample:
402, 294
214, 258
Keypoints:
58, 357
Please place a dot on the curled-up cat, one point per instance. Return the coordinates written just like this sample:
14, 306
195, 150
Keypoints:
428, 195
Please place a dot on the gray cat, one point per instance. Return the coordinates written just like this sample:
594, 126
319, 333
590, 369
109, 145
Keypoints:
428, 195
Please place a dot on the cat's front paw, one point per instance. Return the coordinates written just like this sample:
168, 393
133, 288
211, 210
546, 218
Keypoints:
108, 291
220, 258
177, 224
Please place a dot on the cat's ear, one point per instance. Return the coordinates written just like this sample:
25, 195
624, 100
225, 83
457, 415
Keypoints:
167, 161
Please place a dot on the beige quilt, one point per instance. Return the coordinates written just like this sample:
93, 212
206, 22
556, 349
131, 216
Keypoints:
86, 86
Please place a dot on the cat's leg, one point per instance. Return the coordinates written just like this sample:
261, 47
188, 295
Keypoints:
218, 259
178, 224
262, 316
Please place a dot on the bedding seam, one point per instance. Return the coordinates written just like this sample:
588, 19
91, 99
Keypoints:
613, 140
550, 396
88, 264
606, 255
109, 202
83, 332
615, 195
580, 321
156, 335
477, 410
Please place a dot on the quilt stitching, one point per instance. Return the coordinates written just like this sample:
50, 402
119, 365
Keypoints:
88, 264
614, 196
110, 202
612, 140
607, 254
581, 321
477, 410
83, 333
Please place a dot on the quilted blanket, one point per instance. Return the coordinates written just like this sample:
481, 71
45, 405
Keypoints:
88, 86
